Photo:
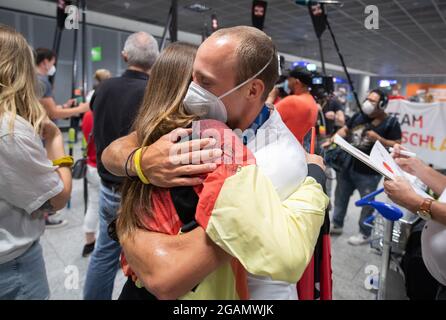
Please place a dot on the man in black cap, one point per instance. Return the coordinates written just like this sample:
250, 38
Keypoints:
298, 110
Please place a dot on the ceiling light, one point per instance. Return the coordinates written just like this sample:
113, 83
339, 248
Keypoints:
198, 7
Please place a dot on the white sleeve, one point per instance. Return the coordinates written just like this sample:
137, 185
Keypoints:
27, 177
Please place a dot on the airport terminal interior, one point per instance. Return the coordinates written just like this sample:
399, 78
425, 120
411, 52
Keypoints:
313, 166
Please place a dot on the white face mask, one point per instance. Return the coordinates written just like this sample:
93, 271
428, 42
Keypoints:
368, 107
206, 105
52, 71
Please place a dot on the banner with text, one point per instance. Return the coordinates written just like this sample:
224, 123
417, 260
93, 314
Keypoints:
424, 129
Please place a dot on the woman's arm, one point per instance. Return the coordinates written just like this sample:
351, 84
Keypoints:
170, 266
54, 146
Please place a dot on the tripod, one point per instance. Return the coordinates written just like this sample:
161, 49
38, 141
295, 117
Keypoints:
319, 30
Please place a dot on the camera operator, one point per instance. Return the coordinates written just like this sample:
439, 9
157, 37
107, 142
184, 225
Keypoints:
362, 130
433, 237
333, 115
331, 118
298, 110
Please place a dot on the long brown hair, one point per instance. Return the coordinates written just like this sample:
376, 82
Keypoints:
18, 80
162, 111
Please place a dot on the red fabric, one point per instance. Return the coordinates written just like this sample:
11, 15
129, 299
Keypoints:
326, 271
305, 286
299, 113
164, 218
398, 97
235, 154
87, 126
316, 282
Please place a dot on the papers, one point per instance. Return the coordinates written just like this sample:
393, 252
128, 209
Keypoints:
382, 162
377, 161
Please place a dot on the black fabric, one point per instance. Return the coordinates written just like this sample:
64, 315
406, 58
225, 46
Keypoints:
185, 201
319, 175
115, 104
420, 285
335, 106
358, 126
131, 292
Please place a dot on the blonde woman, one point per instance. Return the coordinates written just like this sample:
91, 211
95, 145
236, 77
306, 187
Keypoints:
30, 185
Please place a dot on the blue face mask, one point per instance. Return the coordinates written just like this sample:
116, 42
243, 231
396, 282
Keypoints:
286, 88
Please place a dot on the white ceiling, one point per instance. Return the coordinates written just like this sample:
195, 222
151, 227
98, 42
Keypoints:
411, 38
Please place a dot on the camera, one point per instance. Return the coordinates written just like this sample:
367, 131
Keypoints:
321, 86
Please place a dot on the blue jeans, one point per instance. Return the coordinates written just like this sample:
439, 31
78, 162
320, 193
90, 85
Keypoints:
104, 261
24, 278
348, 181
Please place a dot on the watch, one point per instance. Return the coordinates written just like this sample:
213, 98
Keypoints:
424, 211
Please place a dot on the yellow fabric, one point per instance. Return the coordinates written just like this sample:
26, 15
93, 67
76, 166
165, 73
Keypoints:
66, 161
219, 285
268, 237
137, 162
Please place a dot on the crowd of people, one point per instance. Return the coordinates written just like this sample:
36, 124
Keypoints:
190, 191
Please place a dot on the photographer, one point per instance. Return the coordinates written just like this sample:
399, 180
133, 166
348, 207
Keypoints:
362, 131
433, 237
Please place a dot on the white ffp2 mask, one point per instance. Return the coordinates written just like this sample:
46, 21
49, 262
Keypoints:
206, 105
368, 107
52, 71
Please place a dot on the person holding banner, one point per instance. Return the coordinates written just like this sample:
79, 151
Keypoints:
433, 238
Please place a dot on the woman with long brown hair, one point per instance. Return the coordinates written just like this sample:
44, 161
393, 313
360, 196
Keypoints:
162, 111
34, 178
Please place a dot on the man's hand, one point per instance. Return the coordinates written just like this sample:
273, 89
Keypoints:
330, 115
165, 163
69, 103
372, 135
318, 160
401, 192
169, 164
327, 143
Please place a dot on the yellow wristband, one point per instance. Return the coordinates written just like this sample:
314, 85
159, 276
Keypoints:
137, 162
66, 161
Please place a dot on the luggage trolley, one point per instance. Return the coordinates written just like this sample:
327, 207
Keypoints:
390, 232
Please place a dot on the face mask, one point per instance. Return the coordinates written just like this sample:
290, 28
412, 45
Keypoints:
206, 105
368, 107
286, 87
52, 71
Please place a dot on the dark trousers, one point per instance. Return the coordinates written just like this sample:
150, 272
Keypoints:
348, 181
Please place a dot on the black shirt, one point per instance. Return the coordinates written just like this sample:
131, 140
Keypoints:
334, 105
115, 104
358, 125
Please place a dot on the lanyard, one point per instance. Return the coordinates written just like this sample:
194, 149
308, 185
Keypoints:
258, 122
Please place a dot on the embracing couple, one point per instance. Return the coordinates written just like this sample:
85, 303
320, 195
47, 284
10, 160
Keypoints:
242, 224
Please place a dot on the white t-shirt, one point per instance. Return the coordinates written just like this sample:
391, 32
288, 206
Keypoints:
433, 247
282, 159
27, 180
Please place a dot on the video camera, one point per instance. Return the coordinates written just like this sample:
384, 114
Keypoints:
321, 86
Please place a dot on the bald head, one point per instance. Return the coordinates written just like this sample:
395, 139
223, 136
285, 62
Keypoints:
140, 50
252, 49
